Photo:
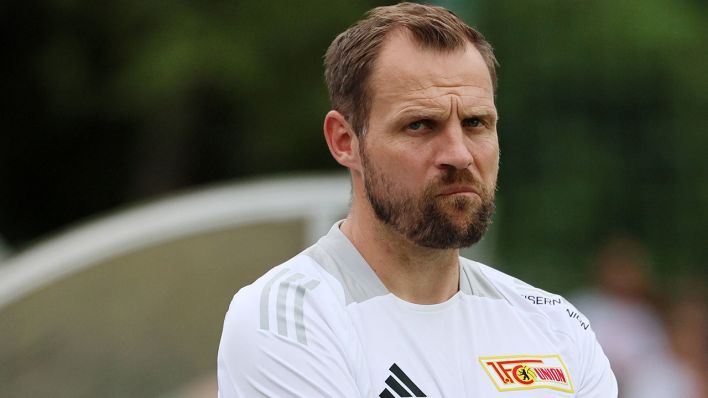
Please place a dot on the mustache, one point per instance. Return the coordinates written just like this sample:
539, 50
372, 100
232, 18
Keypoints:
458, 177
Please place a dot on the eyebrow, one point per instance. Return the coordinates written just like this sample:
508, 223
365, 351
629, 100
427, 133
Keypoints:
418, 111
481, 111
426, 112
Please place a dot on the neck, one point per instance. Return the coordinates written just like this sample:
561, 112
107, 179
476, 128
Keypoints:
413, 273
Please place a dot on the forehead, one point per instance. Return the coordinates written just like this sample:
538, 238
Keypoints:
404, 71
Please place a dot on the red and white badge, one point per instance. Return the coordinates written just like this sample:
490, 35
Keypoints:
526, 372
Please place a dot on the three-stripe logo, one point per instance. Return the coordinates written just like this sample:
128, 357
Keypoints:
287, 303
397, 383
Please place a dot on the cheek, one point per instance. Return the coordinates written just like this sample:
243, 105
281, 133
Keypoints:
406, 169
400, 157
488, 157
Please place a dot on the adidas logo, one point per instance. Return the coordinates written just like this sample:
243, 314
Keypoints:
286, 302
396, 383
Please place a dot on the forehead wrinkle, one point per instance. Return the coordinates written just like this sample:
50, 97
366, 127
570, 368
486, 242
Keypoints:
414, 95
434, 92
464, 104
430, 78
444, 85
422, 111
405, 79
404, 84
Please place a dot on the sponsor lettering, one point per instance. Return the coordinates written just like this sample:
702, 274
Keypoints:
575, 315
509, 373
541, 300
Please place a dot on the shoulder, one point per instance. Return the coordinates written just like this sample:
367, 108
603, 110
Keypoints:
283, 293
562, 323
562, 315
288, 331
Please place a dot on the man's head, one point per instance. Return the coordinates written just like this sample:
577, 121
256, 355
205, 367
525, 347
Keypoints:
427, 164
351, 57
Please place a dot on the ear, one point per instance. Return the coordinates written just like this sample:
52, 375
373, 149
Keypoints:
342, 142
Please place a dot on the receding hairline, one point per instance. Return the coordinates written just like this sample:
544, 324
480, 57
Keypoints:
352, 56
406, 34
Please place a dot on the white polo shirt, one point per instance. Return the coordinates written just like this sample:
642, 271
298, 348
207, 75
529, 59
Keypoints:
323, 325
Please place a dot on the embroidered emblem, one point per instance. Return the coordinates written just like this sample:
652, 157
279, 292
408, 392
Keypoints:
526, 372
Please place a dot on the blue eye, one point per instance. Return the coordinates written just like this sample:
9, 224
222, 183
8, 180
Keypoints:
416, 125
474, 122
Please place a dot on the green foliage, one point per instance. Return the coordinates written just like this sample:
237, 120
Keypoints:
601, 131
603, 110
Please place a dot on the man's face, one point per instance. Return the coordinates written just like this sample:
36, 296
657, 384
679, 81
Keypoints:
430, 155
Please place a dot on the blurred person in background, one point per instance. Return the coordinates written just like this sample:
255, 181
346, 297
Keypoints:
384, 305
688, 329
626, 316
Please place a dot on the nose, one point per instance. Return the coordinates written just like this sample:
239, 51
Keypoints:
454, 149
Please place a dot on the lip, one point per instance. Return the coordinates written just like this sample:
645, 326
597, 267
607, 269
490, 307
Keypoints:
459, 189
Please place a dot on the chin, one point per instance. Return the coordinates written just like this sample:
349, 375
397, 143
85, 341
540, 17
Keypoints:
461, 207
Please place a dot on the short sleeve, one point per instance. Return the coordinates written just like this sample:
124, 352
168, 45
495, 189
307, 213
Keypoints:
597, 379
283, 338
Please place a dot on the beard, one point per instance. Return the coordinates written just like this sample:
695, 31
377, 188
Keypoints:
426, 219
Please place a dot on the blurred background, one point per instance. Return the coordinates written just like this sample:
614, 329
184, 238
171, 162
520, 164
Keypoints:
143, 110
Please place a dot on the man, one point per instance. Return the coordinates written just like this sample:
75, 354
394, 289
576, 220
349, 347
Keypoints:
383, 306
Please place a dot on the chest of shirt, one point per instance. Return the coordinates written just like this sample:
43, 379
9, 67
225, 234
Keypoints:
466, 347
